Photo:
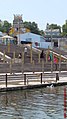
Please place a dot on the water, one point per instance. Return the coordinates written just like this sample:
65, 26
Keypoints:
44, 103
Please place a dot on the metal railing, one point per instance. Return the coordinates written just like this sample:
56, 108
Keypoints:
17, 80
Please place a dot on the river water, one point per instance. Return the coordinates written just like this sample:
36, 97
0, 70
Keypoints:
44, 103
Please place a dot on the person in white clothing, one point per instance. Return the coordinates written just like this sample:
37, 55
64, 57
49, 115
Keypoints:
25, 50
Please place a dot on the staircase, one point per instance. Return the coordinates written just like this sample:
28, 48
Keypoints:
17, 66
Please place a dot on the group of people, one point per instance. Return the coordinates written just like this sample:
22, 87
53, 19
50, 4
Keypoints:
50, 57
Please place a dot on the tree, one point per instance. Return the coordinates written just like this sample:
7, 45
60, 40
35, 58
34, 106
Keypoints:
0, 27
5, 26
55, 26
64, 29
32, 26
42, 32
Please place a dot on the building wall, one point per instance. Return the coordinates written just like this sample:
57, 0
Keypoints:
18, 22
37, 40
63, 43
53, 32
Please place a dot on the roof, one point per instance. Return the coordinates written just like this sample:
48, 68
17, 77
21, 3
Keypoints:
28, 34
6, 36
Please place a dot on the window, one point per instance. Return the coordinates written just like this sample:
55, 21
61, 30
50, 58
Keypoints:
29, 39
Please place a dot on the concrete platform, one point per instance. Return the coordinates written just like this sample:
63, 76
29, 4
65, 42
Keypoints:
32, 85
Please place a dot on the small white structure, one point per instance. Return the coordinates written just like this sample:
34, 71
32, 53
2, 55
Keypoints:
1, 35
53, 32
38, 41
7, 39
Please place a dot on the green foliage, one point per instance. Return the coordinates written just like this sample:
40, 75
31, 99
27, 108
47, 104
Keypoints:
64, 29
42, 32
55, 26
32, 26
5, 26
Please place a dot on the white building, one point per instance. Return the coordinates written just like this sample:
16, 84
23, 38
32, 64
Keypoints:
53, 32
38, 41
1, 35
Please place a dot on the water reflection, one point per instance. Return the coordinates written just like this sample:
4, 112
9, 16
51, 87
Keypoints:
44, 103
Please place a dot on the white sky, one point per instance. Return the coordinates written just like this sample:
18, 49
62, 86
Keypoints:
39, 11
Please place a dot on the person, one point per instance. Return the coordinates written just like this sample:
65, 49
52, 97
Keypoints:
57, 77
50, 57
25, 50
19, 55
55, 62
42, 54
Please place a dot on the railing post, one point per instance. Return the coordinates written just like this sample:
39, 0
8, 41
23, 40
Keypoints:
6, 80
59, 62
10, 66
51, 66
4, 57
46, 56
41, 78
24, 79
8, 45
57, 77
42, 65
22, 62
33, 66
39, 57
14, 57
31, 53
22, 57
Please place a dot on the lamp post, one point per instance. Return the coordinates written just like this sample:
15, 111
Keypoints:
51, 40
51, 52
19, 32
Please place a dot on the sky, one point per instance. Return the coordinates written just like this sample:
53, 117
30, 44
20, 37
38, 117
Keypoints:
38, 11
